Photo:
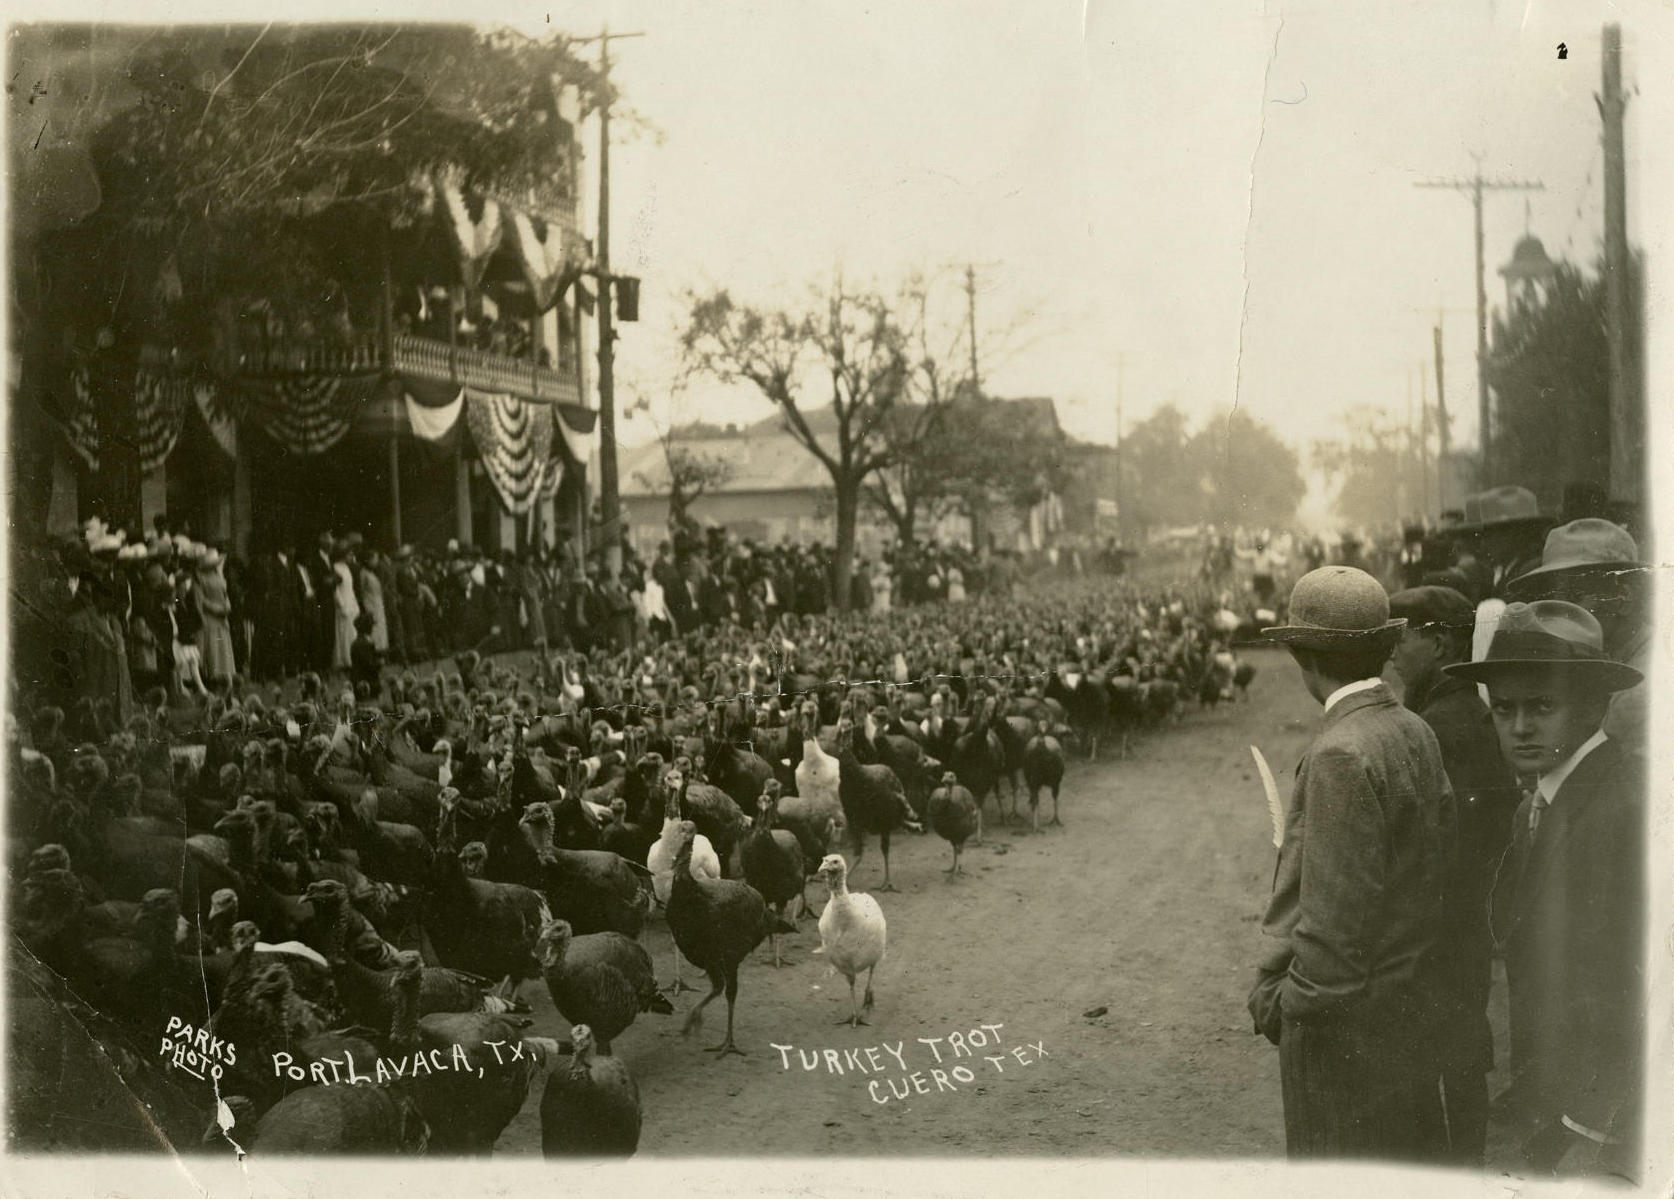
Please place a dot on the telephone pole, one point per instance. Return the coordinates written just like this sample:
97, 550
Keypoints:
1424, 491
1474, 187
970, 303
610, 503
1626, 481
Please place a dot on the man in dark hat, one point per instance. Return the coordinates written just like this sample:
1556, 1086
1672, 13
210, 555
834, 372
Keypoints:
1569, 904
1506, 528
1502, 534
1595, 564
1438, 634
1357, 896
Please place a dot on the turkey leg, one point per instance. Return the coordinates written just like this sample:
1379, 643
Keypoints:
694, 1018
854, 1020
727, 1046
679, 984
883, 840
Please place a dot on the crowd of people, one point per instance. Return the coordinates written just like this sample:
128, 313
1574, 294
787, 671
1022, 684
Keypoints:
176, 612
1496, 809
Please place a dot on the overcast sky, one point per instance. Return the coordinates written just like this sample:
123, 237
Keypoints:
1223, 193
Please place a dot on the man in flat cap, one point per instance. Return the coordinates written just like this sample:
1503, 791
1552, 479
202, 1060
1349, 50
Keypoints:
1438, 634
1344, 987
1569, 904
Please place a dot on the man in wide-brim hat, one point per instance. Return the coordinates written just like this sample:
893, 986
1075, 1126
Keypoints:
1505, 526
1569, 905
1596, 565
1356, 902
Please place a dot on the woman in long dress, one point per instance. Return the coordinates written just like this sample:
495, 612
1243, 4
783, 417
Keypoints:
215, 642
882, 586
372, 603
955, 585
348, 607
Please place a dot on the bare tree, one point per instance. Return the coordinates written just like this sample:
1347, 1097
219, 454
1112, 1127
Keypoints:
851, 341
690, 475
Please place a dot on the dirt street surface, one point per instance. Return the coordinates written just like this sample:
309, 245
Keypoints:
1146, 904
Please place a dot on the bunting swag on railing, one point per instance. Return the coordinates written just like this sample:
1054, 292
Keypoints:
546, 258
474, 241
577, 433
515, 440
433, 423
308, 414
157, 411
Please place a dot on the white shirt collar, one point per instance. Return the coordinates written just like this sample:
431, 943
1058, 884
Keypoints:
1348, 689
1556, 777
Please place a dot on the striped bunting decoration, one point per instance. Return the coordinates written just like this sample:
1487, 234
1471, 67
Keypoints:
155, 415
514, 438
307, 414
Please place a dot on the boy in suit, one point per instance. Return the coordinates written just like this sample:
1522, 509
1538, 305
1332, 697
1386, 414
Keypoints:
1569, 904
1438, 634
1344, 988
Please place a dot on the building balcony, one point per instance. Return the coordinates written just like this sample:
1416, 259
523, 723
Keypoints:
483, 370
420, 357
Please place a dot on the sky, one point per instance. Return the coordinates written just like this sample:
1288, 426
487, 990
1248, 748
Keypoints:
1215, 202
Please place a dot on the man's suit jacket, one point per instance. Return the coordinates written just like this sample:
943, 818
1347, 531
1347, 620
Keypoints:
679, 600
1357, 893
715, 600
1485, 794
1570, 911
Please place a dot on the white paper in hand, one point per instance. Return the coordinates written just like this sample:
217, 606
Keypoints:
1274, 808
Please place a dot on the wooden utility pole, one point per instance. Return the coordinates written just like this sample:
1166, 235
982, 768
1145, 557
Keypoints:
1474, 187
610, 503
1424, 492
970, 304
1626, 458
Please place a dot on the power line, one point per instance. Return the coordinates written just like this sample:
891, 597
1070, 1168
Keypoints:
1474, 187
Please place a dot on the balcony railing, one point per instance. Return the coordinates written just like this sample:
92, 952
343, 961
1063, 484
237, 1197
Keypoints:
358, 353
425, 357
481, 369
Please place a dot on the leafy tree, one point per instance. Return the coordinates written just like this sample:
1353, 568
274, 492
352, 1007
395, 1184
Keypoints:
1550, 375
849, 341
1372, 463
1249, 476
1159, 488
1234, 470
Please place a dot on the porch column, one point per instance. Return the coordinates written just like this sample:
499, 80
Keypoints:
243, 504
64, 499
154, 495
461, 494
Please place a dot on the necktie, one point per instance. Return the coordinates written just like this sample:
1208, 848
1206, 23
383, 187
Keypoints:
1537, 809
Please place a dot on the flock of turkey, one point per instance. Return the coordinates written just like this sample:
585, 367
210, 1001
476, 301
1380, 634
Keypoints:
355, 903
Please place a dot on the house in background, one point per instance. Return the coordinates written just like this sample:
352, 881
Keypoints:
776, 492
1091, 492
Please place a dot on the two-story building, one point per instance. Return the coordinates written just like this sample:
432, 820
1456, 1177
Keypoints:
450, 400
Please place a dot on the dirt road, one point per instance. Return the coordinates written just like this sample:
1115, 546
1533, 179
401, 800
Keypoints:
1146, 903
